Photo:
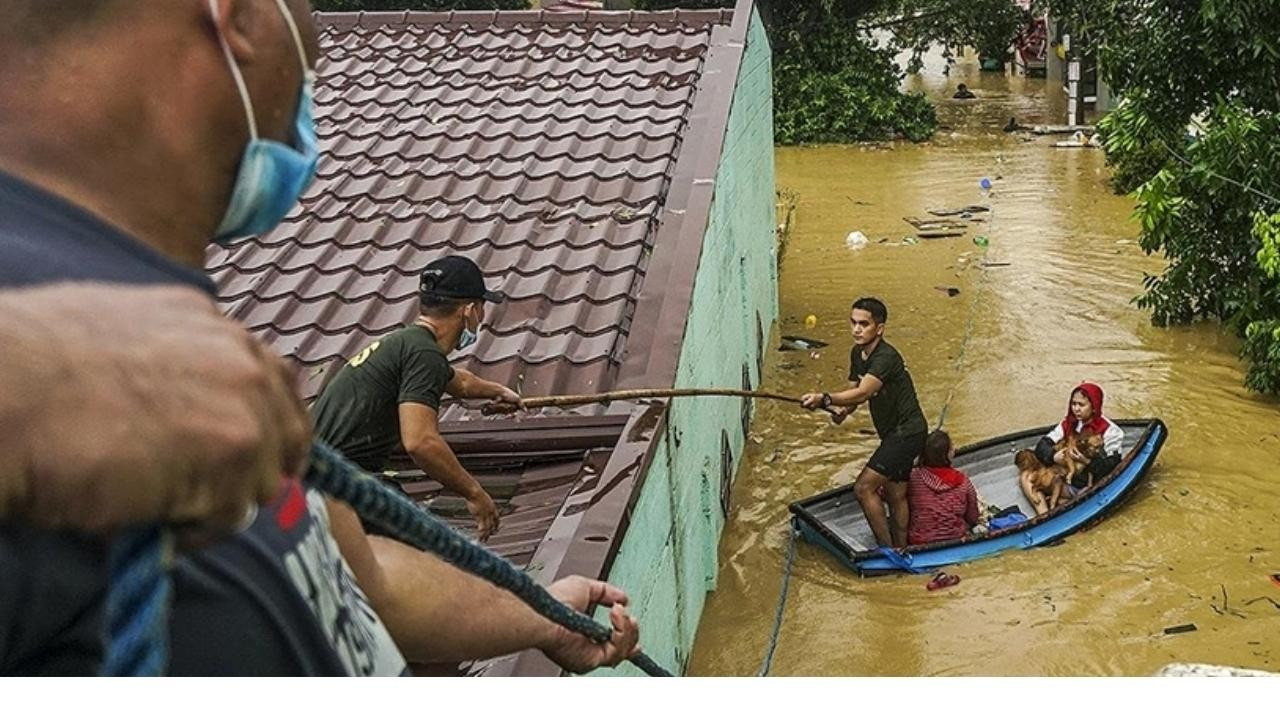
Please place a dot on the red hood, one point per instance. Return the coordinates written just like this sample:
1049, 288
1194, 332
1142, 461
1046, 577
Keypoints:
940, 479
1097, 423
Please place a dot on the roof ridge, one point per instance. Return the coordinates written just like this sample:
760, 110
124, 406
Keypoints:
504, 18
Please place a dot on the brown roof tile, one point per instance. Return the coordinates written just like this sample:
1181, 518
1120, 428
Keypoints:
541, 145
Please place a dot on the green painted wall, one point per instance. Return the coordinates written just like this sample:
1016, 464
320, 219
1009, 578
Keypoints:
667, 561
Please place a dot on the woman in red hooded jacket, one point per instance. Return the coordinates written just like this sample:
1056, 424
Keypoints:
1084, 412
943, 503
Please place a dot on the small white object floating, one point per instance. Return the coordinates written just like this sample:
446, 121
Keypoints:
856, 240
1078, 140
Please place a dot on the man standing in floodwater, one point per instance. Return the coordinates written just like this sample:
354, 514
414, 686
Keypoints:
880, 378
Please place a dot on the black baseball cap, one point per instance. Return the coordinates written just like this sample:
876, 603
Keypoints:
455, 278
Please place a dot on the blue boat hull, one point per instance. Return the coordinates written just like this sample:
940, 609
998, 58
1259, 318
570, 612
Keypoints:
1085, 510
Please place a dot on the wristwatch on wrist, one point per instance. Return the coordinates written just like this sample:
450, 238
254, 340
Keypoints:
826, 400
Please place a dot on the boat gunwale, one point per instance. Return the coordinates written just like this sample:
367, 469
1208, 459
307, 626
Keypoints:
854, 558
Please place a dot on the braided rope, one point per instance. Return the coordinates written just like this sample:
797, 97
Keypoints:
333, 475
137, 609
782, 602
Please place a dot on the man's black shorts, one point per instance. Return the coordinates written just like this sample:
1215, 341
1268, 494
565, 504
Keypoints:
896, 456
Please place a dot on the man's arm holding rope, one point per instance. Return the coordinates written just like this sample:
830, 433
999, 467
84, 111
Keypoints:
438, 613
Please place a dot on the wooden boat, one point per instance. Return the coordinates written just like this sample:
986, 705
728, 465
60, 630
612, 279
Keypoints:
834, 519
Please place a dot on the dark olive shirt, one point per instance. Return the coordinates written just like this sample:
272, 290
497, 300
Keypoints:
894, 409
358, 412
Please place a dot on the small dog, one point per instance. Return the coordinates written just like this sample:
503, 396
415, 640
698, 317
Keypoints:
1088, 445
1050, 482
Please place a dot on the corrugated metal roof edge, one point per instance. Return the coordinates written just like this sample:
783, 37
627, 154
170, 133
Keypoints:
669, 283
586, 542
373, 19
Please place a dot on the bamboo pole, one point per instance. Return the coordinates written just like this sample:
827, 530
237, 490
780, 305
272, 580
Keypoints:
533, 403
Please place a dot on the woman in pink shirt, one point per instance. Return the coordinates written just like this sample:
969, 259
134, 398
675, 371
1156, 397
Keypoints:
943, 503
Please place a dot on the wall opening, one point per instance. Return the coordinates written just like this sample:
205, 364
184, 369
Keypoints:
726, 472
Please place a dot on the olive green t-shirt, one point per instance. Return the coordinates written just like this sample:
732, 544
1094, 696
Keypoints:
895, 409
358, 412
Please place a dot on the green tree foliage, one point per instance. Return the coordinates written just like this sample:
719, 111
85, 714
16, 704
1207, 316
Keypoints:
833, 60
1196, 138
353, 5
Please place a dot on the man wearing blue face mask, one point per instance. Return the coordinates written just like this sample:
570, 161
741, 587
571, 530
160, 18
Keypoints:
132, 132
389, 393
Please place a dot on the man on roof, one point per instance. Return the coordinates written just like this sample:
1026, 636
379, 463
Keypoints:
389, 394
181, 122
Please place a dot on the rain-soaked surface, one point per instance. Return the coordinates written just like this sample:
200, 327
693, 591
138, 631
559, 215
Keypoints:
1194, 544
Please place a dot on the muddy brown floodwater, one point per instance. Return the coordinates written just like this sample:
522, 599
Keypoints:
1205, 521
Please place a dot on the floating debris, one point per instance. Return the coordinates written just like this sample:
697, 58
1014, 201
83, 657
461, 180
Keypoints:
931, 224
1177, 629
796, 342
1061, 129
1203, 670
624, 214
948, 212
1078, 140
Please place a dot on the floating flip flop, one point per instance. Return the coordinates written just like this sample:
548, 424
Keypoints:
942, 580
1275, 578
